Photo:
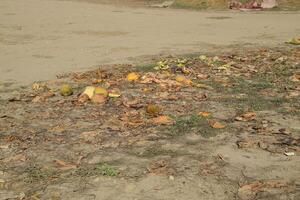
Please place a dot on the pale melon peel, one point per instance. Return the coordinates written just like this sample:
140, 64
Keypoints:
89, 91
101, 91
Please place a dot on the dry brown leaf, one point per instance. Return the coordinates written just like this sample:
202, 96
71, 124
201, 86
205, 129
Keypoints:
184, 80
203, 86
83, 98
249, 191
37, 99
63, 165
18, 157
97, 81
216, 125
292, 94
36, 86
133, 104
246, 117
43, 97
131, 77
163, 120
159, 168
247, 143
133, 119
202, 76
199, 97
204, 114
295, 78
88, 136
4, 146
135, 122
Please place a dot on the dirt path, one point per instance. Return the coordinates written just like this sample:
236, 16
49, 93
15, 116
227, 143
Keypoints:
39, 39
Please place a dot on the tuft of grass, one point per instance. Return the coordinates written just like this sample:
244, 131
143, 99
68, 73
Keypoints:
98, 169
158, 151
145, 68
255, 103
200, 4
251, 99
37, 174
291, 107
192, 124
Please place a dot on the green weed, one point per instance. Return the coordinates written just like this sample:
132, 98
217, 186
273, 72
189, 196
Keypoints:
98, 169
192, 124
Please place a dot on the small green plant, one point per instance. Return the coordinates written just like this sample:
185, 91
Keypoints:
190, 5
37, 174
107, 170
145, 68
244, 1
162, 65
98, 169
192, 124
157, 151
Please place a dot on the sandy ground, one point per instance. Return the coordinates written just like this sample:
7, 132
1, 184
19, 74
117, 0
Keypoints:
66, 148
40, 38
59, 148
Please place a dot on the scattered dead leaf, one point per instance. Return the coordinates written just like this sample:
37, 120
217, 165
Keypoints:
89, 136
83, 98
203, 86
159, 168
15, 158
131, 77
63, 165
249, 116
216, 124
200, 97
295, 78
249, 191
204, 114
133, 104
247, 143
163, 120
183, 80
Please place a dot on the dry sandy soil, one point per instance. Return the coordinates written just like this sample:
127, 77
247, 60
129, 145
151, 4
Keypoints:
228, 128
40, 39
228, 123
